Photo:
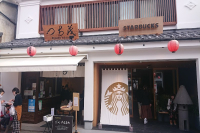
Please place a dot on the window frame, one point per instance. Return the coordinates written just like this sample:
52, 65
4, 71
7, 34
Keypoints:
84, 4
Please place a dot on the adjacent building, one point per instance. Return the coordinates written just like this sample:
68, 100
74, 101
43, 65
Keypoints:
8, 19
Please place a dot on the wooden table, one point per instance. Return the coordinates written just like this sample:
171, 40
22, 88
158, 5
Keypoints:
163, 112
163, 116
64, 109
69, 111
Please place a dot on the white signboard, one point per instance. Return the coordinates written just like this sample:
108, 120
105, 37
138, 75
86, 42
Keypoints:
28, 92
52, 111
115, 102
75, 101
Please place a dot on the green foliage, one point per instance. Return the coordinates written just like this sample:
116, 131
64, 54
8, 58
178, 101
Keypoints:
162, 101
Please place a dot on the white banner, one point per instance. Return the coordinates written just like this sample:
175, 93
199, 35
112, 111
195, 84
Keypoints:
114, 98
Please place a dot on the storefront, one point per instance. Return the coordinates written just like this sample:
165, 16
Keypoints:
162, 79
42, 84
146, 60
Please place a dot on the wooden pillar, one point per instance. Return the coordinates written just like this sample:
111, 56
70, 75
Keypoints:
96, 95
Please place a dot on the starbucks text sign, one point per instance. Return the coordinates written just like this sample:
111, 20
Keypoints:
141, 26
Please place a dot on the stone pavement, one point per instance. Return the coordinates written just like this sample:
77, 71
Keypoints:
139, 127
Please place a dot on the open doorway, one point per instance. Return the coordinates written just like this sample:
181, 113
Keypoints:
162, 79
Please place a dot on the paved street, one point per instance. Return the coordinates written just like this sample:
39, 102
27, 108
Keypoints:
151, 127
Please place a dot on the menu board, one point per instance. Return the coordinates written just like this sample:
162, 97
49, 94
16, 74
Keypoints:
76, 101
62, 124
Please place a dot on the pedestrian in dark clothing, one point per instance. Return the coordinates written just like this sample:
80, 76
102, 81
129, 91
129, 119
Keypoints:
146, 105
171, 106
18, 111
65, 94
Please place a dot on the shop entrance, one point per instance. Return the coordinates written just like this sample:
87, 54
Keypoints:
162, 80
49, 91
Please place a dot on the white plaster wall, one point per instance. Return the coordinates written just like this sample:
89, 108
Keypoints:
28, 11
133, 55
84, 49
9, 81
188, 18
89, 91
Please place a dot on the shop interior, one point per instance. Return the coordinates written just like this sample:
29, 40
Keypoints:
47, 94
162, 79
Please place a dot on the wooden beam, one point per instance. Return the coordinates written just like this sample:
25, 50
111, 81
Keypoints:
96, 95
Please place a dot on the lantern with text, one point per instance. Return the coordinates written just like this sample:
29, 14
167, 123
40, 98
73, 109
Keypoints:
173, 46
119, 49
31, 51
73, 50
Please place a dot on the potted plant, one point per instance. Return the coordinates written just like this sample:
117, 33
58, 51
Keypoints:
162, 101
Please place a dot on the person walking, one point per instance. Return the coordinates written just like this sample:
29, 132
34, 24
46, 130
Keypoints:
18, 110
145, 105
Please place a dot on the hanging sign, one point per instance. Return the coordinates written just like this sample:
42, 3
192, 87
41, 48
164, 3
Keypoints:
62, 124
114, 98
141, 26
76, 101
61, 32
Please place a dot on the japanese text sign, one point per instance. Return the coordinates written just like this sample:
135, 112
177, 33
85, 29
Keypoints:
61, 32
62, 124
76, 101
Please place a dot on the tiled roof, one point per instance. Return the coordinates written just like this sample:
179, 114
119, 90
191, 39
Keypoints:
181, 34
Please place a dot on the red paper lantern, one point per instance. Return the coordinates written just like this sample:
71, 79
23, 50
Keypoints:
173, 46
158, 77
31, 51
119, 49
73, 50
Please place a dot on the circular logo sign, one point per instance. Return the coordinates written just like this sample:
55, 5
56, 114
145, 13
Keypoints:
116, 98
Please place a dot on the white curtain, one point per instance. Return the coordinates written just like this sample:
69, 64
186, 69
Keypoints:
78, 16
148, 8
114, 98
127, 10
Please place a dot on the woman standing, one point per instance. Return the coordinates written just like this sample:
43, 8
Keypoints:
146, 105
18, 110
